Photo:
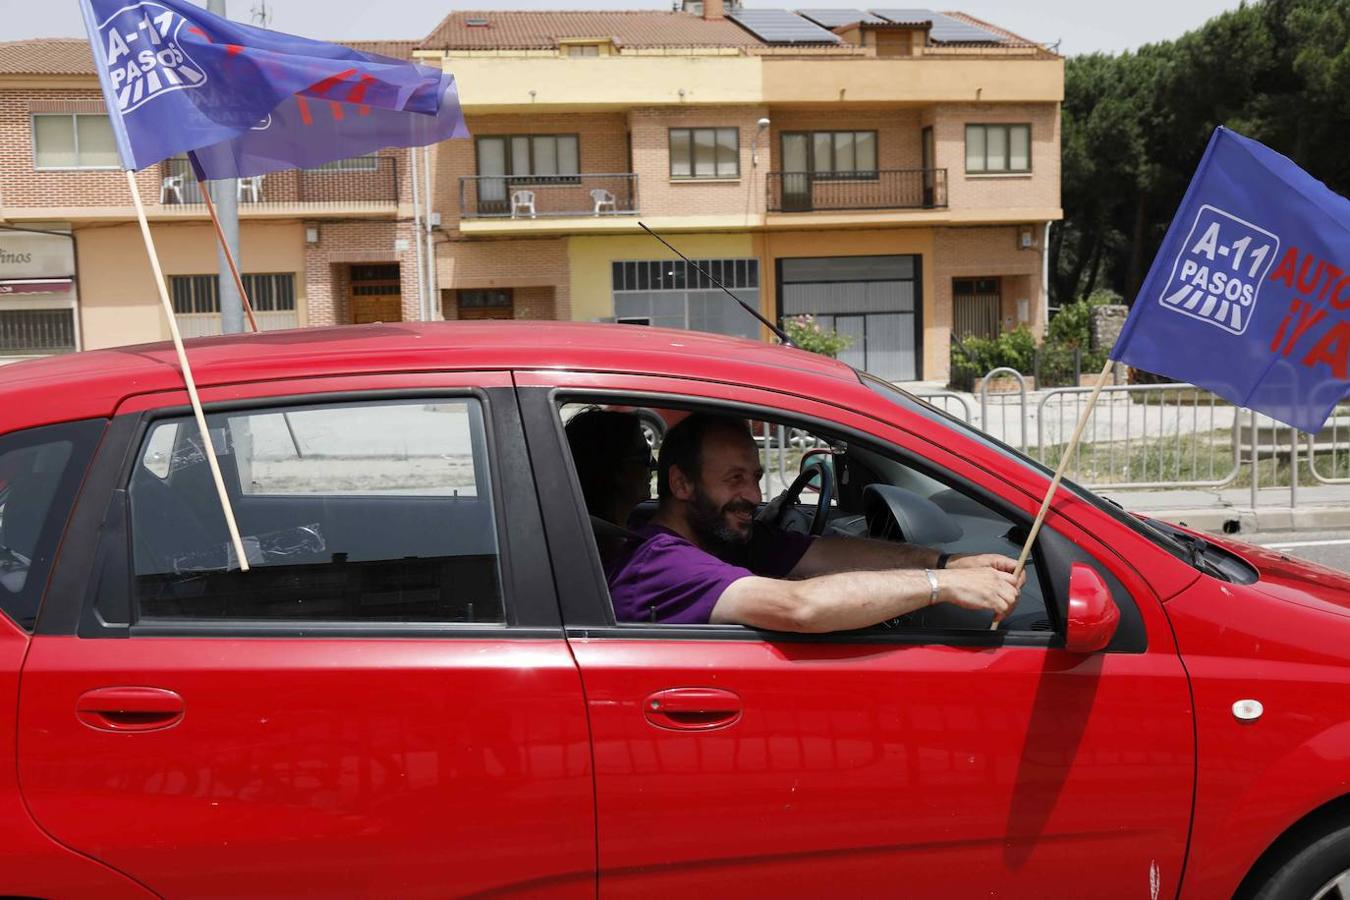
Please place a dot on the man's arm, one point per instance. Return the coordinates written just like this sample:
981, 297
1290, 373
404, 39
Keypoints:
836, 553
848, 600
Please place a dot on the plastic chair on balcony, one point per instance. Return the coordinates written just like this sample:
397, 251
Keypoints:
172, 184
252, 185
603, 198
522, 201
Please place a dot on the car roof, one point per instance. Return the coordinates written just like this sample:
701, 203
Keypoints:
92, 383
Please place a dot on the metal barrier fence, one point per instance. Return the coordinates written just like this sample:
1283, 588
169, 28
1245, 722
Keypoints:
1138, 437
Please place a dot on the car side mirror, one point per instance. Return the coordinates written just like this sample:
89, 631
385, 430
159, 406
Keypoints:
1093, 615
813, 457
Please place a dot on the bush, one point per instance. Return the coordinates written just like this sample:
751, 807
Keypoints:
807, 334
1072, 325
974, 357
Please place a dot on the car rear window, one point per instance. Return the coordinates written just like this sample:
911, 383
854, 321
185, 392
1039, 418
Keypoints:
40, 473
349, 512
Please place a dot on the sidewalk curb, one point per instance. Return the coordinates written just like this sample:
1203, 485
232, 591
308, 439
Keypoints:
1249, 521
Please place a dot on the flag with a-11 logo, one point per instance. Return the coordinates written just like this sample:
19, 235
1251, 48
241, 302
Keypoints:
1249, 295
247, 100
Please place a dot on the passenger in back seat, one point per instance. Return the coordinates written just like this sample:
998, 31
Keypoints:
614, 465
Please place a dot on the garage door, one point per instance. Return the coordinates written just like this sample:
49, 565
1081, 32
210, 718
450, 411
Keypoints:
875, 300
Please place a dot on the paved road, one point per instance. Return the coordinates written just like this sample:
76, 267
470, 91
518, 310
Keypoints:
1329, 548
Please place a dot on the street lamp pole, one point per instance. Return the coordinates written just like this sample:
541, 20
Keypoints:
225, 193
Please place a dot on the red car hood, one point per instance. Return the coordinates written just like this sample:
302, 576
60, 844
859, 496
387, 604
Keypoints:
1293, 580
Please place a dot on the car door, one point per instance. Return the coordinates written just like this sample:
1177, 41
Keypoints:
383, 705
916, 763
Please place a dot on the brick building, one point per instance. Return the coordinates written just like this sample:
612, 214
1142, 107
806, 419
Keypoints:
893, 172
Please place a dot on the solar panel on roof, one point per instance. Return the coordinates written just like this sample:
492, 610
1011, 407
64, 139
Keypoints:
945, 30
835, 18
778, 26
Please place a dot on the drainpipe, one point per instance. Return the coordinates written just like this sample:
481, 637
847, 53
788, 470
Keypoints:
432, 304
1045, 279
417, 235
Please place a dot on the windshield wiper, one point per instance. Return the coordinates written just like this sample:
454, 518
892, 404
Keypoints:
1195, 551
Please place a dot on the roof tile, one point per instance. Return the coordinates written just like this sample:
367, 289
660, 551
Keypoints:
544, 30
71, 56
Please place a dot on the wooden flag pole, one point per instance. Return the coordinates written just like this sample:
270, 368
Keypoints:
207, 446
229, 257
1059, 472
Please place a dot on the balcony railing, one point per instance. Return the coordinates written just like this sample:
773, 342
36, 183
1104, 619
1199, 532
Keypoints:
882, 189
541, 196
363, 181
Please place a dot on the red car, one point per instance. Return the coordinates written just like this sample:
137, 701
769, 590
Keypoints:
419, 688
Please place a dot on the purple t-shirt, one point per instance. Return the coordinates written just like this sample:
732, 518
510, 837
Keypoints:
667, 579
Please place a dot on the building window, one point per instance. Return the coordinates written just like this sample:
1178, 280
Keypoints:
998, 148
831, 154
69, 141
578, 51
30, 332
705, 153
523, 158
200, 294
485, 304
368, 162
674, 294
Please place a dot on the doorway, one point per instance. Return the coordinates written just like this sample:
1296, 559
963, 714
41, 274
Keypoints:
873, 300
376, 293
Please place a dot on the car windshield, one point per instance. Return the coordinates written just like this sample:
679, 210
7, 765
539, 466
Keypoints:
911, 403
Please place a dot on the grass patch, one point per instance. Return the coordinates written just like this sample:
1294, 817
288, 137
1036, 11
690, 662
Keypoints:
1206, 456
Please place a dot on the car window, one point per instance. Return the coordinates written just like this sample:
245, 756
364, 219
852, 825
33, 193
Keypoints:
910, 403
876, 494
350, 512
40, 471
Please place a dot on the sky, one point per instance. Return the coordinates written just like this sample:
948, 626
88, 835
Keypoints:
1081, 26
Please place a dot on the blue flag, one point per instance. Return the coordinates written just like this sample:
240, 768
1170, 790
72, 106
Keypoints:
250, 101
1249, 295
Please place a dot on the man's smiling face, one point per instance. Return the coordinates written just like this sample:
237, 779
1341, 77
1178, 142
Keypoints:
721, 509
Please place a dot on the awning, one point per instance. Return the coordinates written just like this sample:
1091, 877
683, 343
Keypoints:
36, 286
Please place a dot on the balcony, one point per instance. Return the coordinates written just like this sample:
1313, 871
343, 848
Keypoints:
548, 196
361, 184
791, 192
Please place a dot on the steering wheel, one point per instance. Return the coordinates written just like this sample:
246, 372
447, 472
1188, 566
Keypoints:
788, 500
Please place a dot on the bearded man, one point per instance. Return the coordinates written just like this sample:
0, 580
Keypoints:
696, 562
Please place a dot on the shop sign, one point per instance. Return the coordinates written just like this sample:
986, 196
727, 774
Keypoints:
30, 256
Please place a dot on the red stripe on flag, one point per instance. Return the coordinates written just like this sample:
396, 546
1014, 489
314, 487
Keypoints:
330, 82
192, 29
337, 110
233, 49
305, 116
358, 91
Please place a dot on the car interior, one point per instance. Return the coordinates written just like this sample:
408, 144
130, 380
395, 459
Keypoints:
820, 483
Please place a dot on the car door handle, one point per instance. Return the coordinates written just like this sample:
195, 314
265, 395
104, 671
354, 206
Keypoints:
129, 709
692, 709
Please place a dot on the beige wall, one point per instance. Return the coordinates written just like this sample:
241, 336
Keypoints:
922, 79
590, 262
118, 300
532, 84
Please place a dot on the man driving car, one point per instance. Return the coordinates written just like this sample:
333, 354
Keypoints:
698, 561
